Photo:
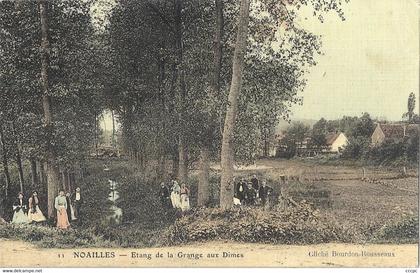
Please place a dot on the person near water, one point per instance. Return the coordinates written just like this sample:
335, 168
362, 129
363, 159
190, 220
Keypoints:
241, 188
264, 193
175, 195
164, 195
35, 214
20, 215
77, 203
185, 198
250, 195
60, 204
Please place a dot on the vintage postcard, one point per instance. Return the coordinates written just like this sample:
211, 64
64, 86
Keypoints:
217, 133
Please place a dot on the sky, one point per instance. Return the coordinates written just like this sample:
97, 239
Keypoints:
370, 62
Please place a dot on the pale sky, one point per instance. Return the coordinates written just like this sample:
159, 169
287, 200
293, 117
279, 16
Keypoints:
370, 62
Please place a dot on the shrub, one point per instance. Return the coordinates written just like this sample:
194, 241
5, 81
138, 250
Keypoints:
295, 225
356, 148
52, 237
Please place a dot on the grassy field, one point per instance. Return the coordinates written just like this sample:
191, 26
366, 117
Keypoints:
383, 197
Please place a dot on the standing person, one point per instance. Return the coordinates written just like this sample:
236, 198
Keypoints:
240, 190
35, 213
185, 198
250, 195
70, 210
77, 202
255, 182
20, 211
264, 193
164, 195
60, 205
175, 195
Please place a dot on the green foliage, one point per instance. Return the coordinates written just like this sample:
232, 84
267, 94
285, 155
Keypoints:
357, 148
294, 225
318, 134
47, 237
71, 77
363, 127
411, 104
294, 138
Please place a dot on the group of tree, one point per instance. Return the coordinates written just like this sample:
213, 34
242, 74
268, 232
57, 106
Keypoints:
358, 131
188, 80
49, 99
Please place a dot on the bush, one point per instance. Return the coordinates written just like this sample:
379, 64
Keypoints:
295, 225
356, 148
52, 237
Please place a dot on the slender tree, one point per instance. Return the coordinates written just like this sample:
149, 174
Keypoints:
203, 182
227, 160
53, 174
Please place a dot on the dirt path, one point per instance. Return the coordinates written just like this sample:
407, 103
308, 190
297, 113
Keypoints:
17, 253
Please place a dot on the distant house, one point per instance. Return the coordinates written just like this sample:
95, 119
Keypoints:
383, 132
336, 141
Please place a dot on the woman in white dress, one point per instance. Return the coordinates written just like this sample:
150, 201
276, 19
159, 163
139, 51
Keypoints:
185, 198
20, 211
35, 214
175, 196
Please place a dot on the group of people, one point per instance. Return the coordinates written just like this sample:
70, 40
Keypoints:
252, 192
175, 196
246, 193
25, 213
67, 206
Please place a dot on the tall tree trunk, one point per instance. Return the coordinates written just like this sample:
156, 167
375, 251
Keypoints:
68, 182
182, 145
203, 182
63, 181
34, 174
53, 174
162, 124
18, 158
175, 164
183, 160
41, 173
72, 180
227, 160
5, 161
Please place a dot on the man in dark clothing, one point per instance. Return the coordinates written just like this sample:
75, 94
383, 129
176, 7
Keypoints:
251, 195
255, 182
68, 207
241, 189
264, 193
164, 195
78, 201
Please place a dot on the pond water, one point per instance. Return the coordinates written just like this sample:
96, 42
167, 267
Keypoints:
116, 212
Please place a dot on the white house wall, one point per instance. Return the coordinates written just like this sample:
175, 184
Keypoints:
340, 142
